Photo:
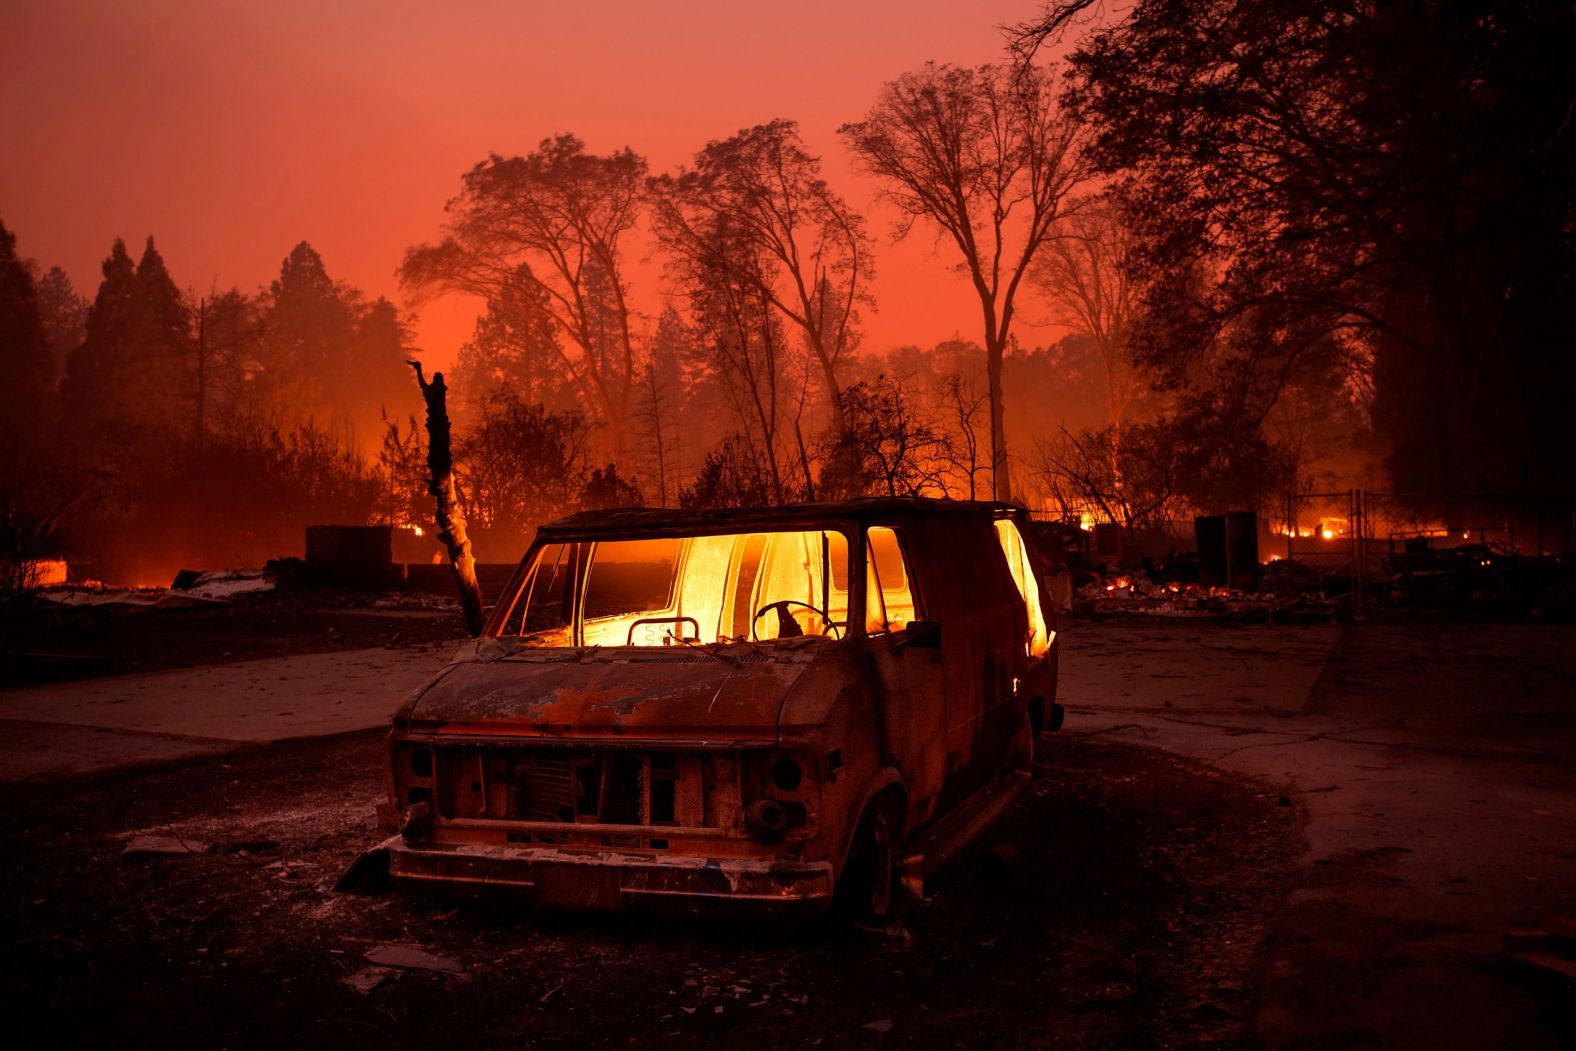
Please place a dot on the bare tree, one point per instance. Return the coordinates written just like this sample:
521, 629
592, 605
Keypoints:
985, 156
1076, 473
742, 340
810, 248
655, 415
550, 224
890, 444
1025, 39
964, 401
1082, 274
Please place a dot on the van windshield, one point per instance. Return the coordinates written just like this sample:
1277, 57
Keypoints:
682, 591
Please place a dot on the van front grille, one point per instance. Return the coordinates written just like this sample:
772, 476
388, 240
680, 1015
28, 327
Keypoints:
593, 786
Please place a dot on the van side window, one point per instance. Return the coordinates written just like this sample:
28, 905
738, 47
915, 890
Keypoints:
889, 595
628, 577
547, 593
1016, 552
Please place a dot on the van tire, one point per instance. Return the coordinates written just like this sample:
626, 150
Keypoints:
867, 891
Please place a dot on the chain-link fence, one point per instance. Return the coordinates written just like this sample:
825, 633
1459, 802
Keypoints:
1519, 525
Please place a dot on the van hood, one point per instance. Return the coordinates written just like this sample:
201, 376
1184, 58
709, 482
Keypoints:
734, 693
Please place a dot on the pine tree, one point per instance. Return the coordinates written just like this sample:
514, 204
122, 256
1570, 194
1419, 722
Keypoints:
133, 372
308, 328
166, 378
64, 313
26, 373
92, 369
378, 384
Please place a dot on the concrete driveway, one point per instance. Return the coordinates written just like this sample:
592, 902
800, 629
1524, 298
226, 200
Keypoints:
95, 725
1434, 763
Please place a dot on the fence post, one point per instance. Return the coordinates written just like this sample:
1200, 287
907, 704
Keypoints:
1354, 519
1291, 524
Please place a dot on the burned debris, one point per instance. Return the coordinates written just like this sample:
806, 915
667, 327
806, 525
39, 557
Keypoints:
1331, 556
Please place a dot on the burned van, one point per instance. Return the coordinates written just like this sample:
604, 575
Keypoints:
764, 707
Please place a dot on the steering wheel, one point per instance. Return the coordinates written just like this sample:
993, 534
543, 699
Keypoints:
785, 619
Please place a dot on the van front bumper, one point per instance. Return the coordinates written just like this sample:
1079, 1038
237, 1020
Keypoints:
611, 880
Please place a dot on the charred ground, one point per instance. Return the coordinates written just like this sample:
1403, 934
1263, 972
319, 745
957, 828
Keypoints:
1124, 902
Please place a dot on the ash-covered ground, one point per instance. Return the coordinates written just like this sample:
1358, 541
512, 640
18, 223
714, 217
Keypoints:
1292, 836
1124, 902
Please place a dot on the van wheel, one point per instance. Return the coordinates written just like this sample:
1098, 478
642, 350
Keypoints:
867, 890
1020, 757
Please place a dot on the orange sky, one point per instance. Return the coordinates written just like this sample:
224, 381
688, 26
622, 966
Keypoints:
233, 131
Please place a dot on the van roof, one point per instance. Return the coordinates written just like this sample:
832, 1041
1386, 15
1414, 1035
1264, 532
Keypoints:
668, 520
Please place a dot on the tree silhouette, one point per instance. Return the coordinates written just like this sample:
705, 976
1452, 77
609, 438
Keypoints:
515, 345
985, 157
25, 361
889, 443
807, 252
549, 227
1396, 176
1085, 277
64, 314
39, 490
744, 344
133, 373
308, 324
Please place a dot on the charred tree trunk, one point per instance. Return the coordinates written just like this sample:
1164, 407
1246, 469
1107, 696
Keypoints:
440, 483
1001, 482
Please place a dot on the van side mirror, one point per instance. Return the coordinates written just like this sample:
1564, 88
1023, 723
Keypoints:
923, 634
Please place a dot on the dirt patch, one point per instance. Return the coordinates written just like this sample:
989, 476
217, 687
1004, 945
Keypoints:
1124, 902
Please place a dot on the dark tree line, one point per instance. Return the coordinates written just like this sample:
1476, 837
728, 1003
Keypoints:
1289, 245
1389, 185
154, 427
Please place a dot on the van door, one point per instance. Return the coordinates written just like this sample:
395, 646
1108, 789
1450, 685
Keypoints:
966, 587
910, 673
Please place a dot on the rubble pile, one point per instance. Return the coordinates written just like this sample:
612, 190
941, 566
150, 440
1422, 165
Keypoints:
1136, 593
189, 589
1477, 579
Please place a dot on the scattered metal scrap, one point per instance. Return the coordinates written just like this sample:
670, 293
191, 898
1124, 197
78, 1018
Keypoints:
367, 979
141, 846
412, 958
